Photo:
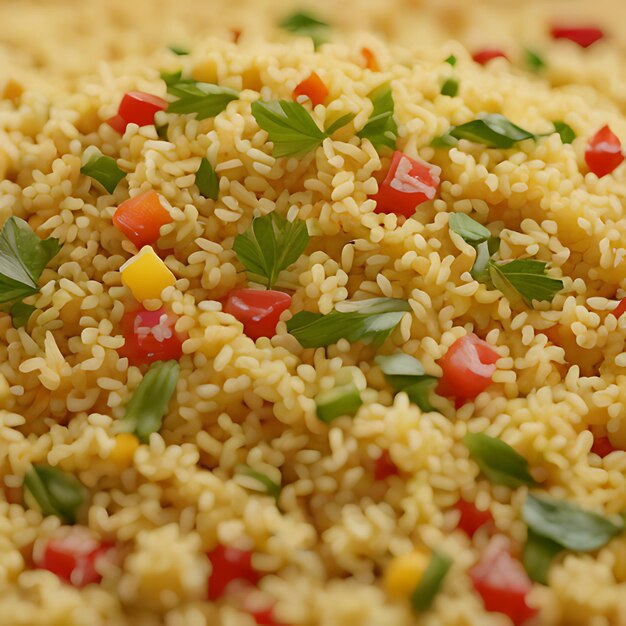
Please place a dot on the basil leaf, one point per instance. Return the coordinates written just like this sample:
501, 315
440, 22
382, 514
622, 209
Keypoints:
533, 60
207, 181
450, 87
339, 123
307, 25
104, 170
289, 126
53, 492
443, 141
526, 279
539, 552
451, 60
20, 314
431, 581
569, 525
381, 128
469, 229
498, 461
337, 402
565, 131
373, 322
178, 51
492, 130
203, 99
270, 487
148, 405
419, 392
270, 245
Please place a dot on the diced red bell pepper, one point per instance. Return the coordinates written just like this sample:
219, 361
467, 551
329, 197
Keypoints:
384, 467
371, 63
584, 36
620, 309
471, 518
74, 557
117, 123
602, 446
408, 183
264, 616
230, 565
484, 56
150, 336
467, 366
502, 582
604, 152
140, 218
257, 309
137, 107
313, 88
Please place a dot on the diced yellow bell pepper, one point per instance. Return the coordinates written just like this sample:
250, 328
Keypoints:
124, 449
146, 275
404, 573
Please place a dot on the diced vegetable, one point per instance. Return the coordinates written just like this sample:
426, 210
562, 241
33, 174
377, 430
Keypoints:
602, 446
289, 126
140, 218
370, 60
533, 60
124, 449
267, 484
450, 87
384, 467
313, 88
451, 60
146, 275
488, 54
104, 170
73, 557
207, 180
339, 401
404, 573
53, 492
307, 25
620, 309
264, 616
270, 245
149, 403
467, 366
118, 123
204, 100
584, 36
229, 565
604, 152
371, 320
502, 583
257, 309
498, 461
150, 336
431, 582
23, 257
472, 518
137, 107
381, 128
408, 183
179, 51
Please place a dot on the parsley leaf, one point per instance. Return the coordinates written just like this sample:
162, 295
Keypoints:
289, 126
340, 122
469, 229
450, 87
207, 181
565, 131
104, 170
178, 51
533, 60
539, 553
306, 25
451, 60
493, 130
20, 313
204, 99
270, 245
53, 492
431, 581
371, 321
23, 257
381, 128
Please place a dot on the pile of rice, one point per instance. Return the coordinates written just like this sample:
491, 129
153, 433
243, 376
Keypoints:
324, 545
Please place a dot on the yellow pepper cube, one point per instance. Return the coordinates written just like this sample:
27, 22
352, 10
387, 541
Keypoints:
124, 449
404, 573
146, 275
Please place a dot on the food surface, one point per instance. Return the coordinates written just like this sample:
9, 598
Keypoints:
311, 322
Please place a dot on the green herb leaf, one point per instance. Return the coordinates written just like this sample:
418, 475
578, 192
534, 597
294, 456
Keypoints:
53, 492
207, 181
498, 461
450, 87
23, 257
20, 314
175, 79
161, 131
492, 130
203, 99
306, 25
289, 126
443, 141
270, 487
178, 51
524, 278
270, 245
371, 320
431, 582
148, 406
381, 128
569, 525
339, 123
337, 402
104, 170
451, 60
468, 228
480, 269
539, 552
565, 131
533, 60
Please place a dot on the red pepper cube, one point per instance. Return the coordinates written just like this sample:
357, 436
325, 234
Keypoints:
150, 336
620, 309
408, 183
488, 54
74, 557
138, 107
471, 518
230, 565
140, 218
117, 123
257, 309
371, 63
604, 152
384, 467
313, 88
602, 446
467, 366
584, 36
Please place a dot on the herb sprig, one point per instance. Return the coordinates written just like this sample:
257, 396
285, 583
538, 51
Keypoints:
207, 180
431, 581
381, 128
104, 170
307, 25
203, 99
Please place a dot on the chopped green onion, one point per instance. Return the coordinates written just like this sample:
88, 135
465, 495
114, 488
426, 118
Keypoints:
207, 181
270, 487
339, 401
451, 60
53, 492
450, 87
104, 170
533, 60
431, 582
178, 51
